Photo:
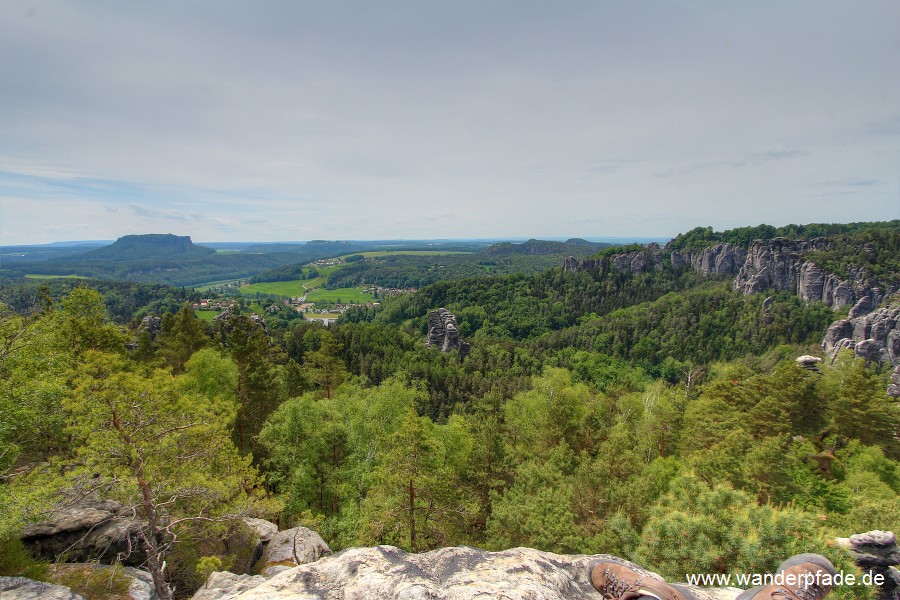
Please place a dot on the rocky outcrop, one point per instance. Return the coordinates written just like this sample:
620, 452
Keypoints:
779, 265
722, 260
443, 333
874, 336
894, 388
877, 551
771, 265
107, 532
103, 531
20, 588
808, 362
223, 585
152, 325
385, 572
231, 312
291, 547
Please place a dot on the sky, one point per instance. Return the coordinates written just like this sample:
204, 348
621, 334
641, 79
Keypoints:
295, 120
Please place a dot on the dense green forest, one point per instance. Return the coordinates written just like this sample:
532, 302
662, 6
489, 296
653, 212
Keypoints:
700, 237
415, 271
596, 412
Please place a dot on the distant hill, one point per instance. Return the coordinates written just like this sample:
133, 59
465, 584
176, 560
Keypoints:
541, 247
151, 245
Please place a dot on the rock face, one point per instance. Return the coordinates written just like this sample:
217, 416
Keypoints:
722, 260
772, 265
106, 532
296, 546
878, 551
385, 572
152, 325
223, 585
874, 336
103, 531
443, 333
894, 388
779, 265
20, 588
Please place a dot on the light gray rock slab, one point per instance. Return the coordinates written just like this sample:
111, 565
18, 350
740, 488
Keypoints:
386, 572
20, 588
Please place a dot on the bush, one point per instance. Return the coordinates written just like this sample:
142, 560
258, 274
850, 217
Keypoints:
17, 561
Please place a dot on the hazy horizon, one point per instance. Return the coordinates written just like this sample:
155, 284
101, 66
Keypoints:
407, 120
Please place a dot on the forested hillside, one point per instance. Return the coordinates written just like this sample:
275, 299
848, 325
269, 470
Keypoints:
658, 415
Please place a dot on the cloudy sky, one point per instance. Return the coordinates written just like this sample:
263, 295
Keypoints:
296, 120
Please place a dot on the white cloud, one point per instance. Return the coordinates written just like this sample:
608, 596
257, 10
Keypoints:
356, 120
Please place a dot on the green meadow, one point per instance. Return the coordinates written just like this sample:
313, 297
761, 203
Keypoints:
279, 288
206, 315
345, 295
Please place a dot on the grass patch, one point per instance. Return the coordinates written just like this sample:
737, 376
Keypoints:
16, 561
36, 276
204, 287
206, 315
344, 295
291, 288
95, 582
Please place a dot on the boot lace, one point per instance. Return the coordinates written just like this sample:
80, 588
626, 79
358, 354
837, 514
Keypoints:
615, 588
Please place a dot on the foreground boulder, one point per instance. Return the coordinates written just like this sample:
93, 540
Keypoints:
20, 588
386, 572
877, 551
291, 547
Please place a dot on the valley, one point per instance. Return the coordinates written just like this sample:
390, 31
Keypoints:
563, 396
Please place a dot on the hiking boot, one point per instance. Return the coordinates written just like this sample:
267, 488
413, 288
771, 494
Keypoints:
804, 577
617, 581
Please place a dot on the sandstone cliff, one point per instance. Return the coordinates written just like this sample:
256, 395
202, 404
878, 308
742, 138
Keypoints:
443, 333
773, 265
721, 260
779, 265
873, 336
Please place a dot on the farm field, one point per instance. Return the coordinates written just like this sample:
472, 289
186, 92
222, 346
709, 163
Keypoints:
211, 284
345, 295
279, 288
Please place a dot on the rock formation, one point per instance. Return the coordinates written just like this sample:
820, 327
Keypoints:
20, 588
292, 547
385, 572
877, 551
808, 362
232, 312
721, 260
874, 336
107, 532
152, 325
779, 264
103, 531
443, 333
772, 265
